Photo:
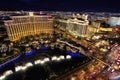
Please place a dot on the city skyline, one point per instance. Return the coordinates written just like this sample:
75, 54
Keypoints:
61, 5
60, 45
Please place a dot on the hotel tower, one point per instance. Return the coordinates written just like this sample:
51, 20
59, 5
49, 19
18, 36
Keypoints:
30, 24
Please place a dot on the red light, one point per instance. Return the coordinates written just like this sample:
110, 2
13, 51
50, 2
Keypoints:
49, 16
115, 45
116, 29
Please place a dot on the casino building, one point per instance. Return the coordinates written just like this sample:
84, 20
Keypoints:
63, 54
76, 26
31, 24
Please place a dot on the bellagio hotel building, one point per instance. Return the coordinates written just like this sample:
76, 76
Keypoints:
31, 24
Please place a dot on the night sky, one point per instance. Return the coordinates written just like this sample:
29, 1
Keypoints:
61, 5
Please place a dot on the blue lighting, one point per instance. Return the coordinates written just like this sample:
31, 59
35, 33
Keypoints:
31, 53
73, 54
10, 61
44, 48
17, 58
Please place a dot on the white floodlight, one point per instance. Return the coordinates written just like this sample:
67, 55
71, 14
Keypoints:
46, 59
68, 57
54, 58
8, 72
24, 67
42, 62
62, 57
18, 68
58, 59
28, 64
2, 77
37, 61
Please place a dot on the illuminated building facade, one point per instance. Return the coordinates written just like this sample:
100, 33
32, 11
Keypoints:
76, 27
93, 28
30, 24
21, 26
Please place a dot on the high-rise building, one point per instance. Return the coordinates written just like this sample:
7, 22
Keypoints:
76, 26
31, 24
93, 28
